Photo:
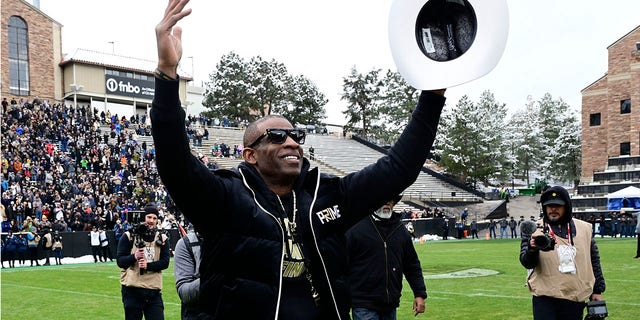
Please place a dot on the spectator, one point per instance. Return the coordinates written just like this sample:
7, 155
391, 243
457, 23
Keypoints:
513, 224
460, 229
6, 224
10, 249
96, 248
503, 228
445, 229
104, 244
32, 247
492, 229
57, 247
21, 251
474, 229
119, 229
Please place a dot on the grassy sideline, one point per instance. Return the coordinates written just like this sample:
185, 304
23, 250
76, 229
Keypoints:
92, 291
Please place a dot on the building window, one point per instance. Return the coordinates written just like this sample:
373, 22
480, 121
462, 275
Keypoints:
18, 56
594, 119
625, 106
625, 149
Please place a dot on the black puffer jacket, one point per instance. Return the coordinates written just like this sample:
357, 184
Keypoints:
380, 252
243, 250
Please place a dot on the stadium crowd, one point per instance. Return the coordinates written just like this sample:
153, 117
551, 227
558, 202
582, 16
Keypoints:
68, 169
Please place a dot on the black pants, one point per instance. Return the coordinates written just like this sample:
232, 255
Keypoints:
638, 247
96, 251
139, 301
547, 308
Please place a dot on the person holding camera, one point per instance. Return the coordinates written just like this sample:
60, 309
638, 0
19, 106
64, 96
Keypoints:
563, 260
143, 252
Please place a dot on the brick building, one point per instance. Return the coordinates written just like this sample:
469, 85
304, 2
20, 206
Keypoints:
33, 64
611, 110
31, 49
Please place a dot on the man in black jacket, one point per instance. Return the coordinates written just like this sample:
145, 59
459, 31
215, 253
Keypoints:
274, 248
380, 251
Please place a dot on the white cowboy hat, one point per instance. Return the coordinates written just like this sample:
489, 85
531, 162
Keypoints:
443, 43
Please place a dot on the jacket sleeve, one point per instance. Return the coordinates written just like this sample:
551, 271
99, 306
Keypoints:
412, 268
529, 258
187, 284
185, 177
124, 257
399, 168
600, 285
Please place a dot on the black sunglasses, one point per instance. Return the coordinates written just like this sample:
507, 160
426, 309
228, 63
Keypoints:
279, 136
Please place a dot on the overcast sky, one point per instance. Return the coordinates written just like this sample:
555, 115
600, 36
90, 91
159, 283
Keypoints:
554, 46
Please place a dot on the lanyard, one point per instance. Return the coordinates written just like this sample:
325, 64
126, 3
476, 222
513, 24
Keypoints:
553, 234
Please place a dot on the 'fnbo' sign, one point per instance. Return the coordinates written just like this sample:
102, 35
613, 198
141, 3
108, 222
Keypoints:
129, 87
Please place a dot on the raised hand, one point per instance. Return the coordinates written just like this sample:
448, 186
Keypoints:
169, 37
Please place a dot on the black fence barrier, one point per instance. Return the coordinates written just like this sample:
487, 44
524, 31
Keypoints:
434, 226
78, 244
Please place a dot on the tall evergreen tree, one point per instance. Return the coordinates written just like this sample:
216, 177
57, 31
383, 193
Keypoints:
227, 92
268, 85
525, 141
398, 100
455, 138
552, 113
361, 93
241, 90
305, 102
471, 140
565, 158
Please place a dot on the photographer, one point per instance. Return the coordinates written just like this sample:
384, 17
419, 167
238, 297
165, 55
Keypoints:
143, 252
563, 261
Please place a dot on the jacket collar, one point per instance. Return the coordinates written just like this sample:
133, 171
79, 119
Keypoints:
259, 186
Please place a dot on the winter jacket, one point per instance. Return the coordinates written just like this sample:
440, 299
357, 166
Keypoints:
244, 241
380, 252
532, 258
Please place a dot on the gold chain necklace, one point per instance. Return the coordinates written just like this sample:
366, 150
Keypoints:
292, 229
292, 221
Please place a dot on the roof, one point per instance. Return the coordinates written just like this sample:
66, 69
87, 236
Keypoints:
96, 58
628, 192
619, 39
41, 12
627, 34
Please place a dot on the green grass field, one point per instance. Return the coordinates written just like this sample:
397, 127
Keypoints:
92, 291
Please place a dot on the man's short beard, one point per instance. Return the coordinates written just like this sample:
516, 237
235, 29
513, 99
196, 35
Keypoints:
383, 214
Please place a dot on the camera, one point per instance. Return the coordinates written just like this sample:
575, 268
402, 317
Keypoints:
596, 310
142, 233
545, 242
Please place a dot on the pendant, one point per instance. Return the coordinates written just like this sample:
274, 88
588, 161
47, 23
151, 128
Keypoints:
292, 228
